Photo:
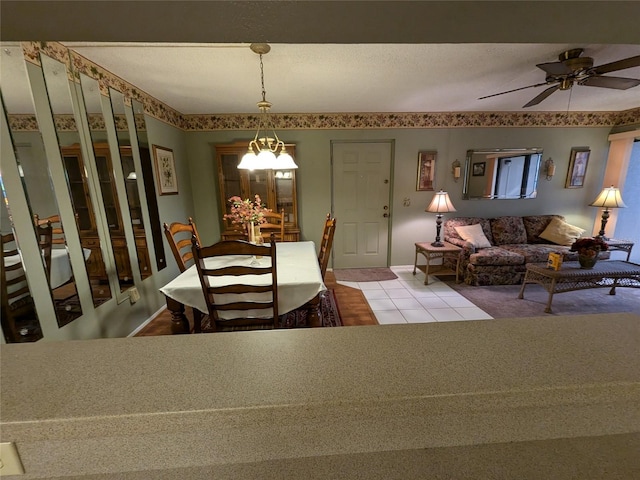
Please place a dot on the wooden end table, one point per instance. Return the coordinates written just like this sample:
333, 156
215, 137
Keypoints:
570, 277
431, 253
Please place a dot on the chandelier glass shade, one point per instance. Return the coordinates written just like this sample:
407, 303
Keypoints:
265, 152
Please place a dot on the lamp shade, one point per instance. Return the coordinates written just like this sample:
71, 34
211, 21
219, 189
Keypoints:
440, 203
609, 197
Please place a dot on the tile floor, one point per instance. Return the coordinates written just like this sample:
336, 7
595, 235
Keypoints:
408, 300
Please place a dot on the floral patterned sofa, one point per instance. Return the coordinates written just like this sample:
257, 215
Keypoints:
514, 242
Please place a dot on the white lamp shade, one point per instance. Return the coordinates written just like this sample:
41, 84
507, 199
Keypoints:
609, 197
284, 161
440, 203
248, 161
266, 159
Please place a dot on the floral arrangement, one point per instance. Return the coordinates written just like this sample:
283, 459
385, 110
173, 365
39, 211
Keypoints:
246, 211
589, 246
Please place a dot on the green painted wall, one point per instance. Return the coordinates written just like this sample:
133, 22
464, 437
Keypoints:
411, 224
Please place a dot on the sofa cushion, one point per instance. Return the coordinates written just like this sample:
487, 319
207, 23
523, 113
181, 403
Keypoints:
451, 223
535, 225
560, 232
535, 253
496, 256
508, 230
474, 235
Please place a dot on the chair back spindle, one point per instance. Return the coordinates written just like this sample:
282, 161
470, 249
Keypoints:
179, 239
248, 301
326, 243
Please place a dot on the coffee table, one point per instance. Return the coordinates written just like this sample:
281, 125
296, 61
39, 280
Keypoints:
570, 277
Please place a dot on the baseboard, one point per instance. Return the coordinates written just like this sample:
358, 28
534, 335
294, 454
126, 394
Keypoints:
147, 321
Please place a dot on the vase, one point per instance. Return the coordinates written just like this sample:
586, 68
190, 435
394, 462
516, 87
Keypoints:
588, 260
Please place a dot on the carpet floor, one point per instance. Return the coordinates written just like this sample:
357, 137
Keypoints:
364, 274
501, 301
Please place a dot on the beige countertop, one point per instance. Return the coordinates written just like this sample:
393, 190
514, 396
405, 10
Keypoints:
239, 398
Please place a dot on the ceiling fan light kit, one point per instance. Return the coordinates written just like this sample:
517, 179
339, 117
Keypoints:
572, 69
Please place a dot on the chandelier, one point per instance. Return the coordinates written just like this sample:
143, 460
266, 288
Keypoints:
265, 152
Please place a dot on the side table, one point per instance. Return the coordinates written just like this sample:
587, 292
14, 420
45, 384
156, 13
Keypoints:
430, 253
621, 245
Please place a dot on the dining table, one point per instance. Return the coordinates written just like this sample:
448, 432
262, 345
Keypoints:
61, 271
298, 276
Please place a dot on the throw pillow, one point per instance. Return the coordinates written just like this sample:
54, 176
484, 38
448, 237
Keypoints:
474, 235
560, 232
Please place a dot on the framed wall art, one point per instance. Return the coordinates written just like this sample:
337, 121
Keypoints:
166, 168
479, 168
577, 167
426, 170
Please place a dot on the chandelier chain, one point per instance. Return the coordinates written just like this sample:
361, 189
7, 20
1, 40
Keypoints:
264, 93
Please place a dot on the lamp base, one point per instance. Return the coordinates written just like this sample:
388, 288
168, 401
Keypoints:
437, 244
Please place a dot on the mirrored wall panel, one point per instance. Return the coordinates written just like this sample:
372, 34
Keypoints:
59, 88
19, 318
32, 161
149, 184
131, 174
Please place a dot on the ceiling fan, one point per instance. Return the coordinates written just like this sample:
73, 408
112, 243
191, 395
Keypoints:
574, 69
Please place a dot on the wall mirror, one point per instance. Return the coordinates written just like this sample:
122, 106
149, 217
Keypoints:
148, 184
32, 163
130, 158
59, 87
493, 174
19, 317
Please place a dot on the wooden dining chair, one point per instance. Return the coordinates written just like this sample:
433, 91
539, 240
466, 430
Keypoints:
56, 227
18, 309
239, 289
326, 243
44, 233
274, 224
179, 238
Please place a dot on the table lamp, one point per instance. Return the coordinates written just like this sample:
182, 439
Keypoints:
439, 205
609, 198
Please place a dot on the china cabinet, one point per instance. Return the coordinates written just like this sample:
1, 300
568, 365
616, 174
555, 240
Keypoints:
78, 186
277, 189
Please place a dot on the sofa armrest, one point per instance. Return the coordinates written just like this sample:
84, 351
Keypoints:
467, 247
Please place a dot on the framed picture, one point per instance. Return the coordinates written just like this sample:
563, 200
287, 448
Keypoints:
478, 169
577, 167
426, 170
166, 168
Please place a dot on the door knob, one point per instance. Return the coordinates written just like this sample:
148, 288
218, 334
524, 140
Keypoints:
385, 215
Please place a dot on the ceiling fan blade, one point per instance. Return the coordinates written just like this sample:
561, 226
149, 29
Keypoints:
542, 96
618, 65
619, 83
554, 68
514, 90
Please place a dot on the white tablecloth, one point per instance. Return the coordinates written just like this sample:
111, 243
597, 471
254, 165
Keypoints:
299, 278
61, 271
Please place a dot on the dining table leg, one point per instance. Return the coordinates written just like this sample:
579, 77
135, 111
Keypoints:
179, 321
313, 308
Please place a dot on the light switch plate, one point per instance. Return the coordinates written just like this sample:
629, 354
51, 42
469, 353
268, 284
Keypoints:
10, 463
134, 295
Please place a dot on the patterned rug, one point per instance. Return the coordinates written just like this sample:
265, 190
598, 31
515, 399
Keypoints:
329, 312
364, 274
501, 301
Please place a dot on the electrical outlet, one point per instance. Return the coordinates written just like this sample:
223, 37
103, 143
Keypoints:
134, 295
406, 202
10, 463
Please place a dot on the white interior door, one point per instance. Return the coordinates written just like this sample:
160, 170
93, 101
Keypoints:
361, 203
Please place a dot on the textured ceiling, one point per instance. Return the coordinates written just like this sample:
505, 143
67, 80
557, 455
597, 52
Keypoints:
333, 78
317, 78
